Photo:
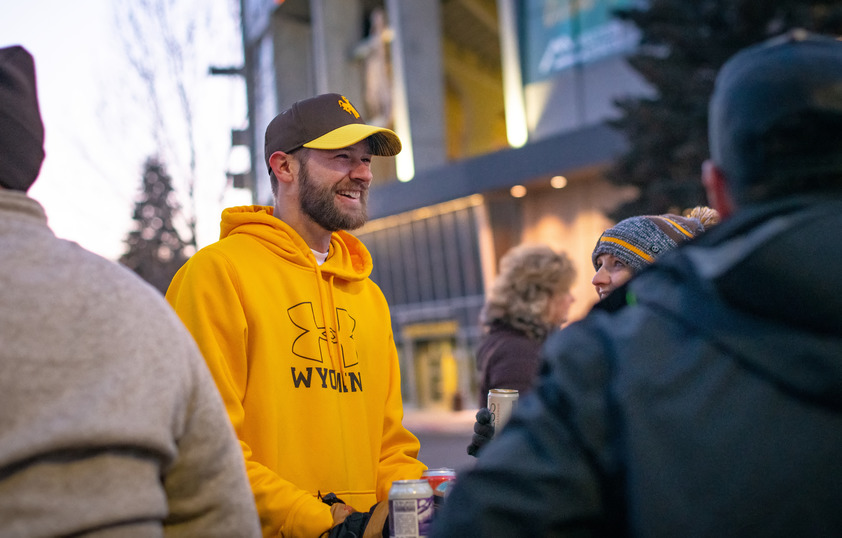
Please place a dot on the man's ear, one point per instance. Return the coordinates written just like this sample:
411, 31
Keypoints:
716, 187
280, 163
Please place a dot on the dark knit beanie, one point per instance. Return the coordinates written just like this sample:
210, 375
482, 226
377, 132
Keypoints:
637, 241
21, 130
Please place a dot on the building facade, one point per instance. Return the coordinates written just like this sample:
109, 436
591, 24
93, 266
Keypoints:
502, 108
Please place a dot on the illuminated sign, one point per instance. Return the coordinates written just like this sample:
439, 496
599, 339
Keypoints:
558, 34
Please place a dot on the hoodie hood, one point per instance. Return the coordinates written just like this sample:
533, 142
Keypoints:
348, 259
757, 287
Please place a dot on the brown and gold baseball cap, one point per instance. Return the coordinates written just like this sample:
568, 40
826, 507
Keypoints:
327, 121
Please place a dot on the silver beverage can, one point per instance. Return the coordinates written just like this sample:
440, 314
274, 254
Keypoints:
410, 508
501, 403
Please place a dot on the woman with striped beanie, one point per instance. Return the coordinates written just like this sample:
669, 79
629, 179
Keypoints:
635, 242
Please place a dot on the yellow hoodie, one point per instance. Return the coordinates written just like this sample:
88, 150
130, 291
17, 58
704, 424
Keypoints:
306, 363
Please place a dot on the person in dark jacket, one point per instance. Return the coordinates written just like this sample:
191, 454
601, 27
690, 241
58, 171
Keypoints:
529, 298
705, 397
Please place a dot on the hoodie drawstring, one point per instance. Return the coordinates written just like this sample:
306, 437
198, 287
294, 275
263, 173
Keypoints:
333, 347
335, 318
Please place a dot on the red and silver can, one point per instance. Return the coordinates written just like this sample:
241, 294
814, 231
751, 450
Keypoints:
440, 479
410, 508
501, 403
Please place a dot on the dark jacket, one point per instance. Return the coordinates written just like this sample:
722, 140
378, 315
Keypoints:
703, 399
507, 359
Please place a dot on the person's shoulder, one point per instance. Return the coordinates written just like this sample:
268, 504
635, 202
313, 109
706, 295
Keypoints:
581, 336
506, 339
606, 330
96, 274
118, 300
228, 253
227, 246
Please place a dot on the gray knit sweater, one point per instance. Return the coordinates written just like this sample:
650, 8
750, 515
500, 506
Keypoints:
110, 424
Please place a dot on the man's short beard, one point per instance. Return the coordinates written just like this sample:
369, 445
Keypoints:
318, 203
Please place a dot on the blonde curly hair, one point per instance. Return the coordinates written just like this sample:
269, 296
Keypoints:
709, 217
530, 276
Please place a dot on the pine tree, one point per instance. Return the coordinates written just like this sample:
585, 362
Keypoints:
155, 250
683, 45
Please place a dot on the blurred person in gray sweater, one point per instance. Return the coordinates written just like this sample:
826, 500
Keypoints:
110, 424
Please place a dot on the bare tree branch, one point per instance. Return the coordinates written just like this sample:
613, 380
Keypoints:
169, 45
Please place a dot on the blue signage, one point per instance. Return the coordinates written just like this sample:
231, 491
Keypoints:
558, 34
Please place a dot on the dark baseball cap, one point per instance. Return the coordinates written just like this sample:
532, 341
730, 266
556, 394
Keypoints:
327, 121
21, 129
791, 82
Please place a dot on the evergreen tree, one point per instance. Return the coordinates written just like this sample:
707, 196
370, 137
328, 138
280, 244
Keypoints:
155, 250
683, 45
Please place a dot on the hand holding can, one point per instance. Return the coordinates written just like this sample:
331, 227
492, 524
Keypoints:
501, 403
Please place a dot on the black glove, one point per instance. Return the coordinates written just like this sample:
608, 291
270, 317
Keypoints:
356, 523
483, 431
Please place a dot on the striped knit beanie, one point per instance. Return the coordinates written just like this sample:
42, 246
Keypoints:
637, 241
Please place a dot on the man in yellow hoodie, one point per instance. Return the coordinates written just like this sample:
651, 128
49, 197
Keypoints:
296, 335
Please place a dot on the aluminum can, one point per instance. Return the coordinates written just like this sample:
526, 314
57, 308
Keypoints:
440, 479
410, 508
501, 403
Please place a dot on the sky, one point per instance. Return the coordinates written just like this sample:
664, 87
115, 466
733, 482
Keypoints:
97, 122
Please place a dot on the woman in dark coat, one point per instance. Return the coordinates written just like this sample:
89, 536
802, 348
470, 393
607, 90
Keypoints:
529, 298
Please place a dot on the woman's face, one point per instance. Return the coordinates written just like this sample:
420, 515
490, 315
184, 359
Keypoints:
611, 273
559, 307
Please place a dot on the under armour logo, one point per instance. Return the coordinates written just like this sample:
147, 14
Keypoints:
348, 107
312, 341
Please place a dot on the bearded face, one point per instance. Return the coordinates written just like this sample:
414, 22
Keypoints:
321, 202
